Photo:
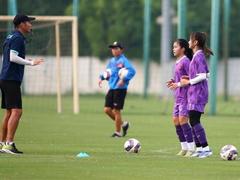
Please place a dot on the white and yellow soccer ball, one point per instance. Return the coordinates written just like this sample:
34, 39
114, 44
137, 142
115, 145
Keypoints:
106, 74
132, 146
122, 73
229, 152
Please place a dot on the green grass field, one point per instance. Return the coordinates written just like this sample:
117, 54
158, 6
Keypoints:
51, 141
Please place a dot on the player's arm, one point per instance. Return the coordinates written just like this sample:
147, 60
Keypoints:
170, 82
201, 72
15, 47
17, 59
200, 77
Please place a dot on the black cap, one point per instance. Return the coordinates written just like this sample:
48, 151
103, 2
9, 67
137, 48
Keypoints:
19, 18
116, 44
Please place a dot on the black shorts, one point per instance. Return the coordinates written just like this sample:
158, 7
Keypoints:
11, 94
115, 98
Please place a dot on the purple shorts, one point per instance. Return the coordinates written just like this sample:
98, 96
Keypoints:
180, 109
196, 107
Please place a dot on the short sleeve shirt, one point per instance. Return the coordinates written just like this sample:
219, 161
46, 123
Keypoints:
198, 93
10, 70
181, 68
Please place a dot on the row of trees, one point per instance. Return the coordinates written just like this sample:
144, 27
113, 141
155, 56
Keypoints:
103, 21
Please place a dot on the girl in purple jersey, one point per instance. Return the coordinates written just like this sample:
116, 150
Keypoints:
198, 91
183, 54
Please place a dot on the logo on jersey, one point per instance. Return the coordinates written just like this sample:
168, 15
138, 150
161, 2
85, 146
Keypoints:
9, 36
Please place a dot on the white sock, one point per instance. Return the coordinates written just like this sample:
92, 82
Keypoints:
184, 145
206, 148
124, 123
118, 133
191, 146
9, 143
199, 149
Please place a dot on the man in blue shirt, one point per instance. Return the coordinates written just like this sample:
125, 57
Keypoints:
11, 77
114, 100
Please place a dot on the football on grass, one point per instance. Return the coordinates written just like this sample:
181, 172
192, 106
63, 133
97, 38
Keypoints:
132, 146
229, 152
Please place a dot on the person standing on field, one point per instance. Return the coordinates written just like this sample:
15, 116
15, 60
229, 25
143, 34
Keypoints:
198, 91
114, 100
11, 76
183, 54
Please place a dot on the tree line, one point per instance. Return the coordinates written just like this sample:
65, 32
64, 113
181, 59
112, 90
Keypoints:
103, 21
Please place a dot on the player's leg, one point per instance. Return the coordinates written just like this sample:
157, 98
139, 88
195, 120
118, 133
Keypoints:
109, 112
3, 133
187, 130
200, 133
118, 104
179, 131
181, 137
109, 104
118, 121
13, 124
13, 100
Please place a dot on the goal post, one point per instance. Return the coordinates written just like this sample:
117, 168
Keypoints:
56, 22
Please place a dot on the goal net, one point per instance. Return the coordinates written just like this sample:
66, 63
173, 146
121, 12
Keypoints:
55, 39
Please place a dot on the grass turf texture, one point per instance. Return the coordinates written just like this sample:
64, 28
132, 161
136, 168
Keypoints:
51, 141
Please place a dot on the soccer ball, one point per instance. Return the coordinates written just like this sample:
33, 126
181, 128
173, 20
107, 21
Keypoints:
106, 74
132, 146
229, 152
122, 73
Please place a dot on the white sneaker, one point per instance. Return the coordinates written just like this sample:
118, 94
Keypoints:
125, 128
196, 153
189, 153
182, 153
205, 154
1, 146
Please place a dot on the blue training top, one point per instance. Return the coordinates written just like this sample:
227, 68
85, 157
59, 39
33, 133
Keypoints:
115, 64
10, 70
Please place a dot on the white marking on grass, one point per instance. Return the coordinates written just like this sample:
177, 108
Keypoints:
164, 150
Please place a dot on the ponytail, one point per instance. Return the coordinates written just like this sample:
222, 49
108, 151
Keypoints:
207, 51
189, 53
201, 37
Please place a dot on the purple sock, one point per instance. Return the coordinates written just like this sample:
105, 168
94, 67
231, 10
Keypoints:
195, 138
199, 131
187, 131
180, 134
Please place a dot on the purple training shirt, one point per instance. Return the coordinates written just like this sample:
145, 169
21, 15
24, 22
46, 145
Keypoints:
198, 93
181, 68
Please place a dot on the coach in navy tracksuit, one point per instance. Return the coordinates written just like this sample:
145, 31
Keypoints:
115, 97
10, 80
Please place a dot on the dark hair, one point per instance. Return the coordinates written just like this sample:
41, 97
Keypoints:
184, 44
201, 38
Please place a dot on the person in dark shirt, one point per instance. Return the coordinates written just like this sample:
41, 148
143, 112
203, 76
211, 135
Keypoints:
11, 77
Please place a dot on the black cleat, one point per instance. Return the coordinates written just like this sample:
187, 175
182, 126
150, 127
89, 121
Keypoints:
125, 129
116, 135
11, 149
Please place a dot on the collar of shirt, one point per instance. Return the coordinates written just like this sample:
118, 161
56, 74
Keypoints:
19, 33
197, 52
118, 57
178, 61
